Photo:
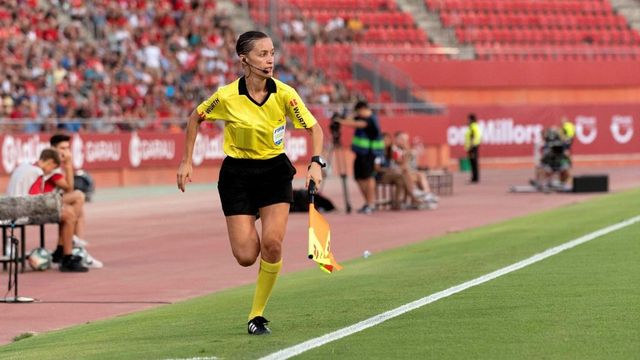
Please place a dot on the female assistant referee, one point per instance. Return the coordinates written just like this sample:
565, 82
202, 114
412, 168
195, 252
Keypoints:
255, 177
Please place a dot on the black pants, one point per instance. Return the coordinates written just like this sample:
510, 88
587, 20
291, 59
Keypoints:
473, 160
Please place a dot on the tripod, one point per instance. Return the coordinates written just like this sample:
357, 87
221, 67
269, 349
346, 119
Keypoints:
13, 271
336, 150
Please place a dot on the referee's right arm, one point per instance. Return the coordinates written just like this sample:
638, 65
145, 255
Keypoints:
186, 166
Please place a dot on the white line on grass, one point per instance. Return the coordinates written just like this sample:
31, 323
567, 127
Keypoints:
375, 320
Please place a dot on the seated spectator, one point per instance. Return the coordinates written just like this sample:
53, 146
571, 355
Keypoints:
417, 183
385, 174
35, 179
63, 181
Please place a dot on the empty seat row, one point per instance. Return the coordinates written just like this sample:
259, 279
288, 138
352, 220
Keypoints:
344, 4
566, 52
546, 36
395, 35
566, 6
533, 20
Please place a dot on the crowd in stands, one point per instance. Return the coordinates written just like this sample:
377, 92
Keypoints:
62, 61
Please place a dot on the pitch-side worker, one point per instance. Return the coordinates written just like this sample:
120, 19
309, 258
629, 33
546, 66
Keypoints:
255, 177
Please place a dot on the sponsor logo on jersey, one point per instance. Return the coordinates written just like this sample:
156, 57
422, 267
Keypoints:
212, 106
296, 112
278, 135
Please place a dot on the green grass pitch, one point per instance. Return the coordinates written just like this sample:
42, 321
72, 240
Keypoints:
582, 303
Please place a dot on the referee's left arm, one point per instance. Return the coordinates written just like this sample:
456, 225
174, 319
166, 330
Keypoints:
317, 141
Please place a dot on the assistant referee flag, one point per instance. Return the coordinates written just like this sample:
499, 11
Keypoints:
320, 241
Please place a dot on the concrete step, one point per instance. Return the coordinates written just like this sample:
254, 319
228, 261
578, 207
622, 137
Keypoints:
241, 19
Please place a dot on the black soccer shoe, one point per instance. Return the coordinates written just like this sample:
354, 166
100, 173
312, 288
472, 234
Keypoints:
258, 326
72, 263
56, 256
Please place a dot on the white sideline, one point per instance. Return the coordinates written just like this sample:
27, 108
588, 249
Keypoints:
375, 320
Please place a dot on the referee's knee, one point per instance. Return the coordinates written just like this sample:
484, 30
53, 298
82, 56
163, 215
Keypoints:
245, 259
271, 250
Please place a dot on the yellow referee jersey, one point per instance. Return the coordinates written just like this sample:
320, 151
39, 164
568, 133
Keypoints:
253, 130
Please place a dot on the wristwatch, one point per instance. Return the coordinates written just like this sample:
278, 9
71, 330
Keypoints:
319, 160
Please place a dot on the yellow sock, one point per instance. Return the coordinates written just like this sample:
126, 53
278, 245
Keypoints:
266, 279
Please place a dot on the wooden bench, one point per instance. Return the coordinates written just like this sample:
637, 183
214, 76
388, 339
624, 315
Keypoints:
17, 212
440, 182
384, 195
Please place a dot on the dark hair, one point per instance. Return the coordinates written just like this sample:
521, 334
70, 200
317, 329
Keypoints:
245, 41
58, 138
50, 154
361, 105
472, 117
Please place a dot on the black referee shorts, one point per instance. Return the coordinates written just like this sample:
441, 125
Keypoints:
246, 185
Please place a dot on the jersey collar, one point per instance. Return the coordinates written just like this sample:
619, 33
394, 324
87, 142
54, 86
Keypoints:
271, 88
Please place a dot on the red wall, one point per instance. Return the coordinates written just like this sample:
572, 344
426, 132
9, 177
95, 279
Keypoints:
521, 74
512, 130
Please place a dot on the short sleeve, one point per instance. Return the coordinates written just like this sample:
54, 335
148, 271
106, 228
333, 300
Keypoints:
55, 177
212, 108
298, 112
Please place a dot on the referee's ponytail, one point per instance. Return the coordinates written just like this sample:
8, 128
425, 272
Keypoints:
245, 41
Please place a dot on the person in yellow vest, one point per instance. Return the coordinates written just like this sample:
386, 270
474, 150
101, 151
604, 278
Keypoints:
256, 174
472, 139
568, 132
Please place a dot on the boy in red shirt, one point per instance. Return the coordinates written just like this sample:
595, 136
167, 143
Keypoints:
63, 181
49, 161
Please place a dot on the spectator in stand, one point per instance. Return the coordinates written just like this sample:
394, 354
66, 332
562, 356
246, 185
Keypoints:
39, 178
355, 27
109, 59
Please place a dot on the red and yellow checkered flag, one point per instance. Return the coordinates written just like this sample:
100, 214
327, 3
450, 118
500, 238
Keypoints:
320, 238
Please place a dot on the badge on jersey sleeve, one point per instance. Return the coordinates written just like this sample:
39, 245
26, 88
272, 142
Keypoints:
278, 135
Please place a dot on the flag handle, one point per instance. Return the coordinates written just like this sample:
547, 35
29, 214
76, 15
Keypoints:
312, 191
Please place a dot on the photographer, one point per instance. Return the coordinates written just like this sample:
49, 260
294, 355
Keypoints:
367, 144
555, 160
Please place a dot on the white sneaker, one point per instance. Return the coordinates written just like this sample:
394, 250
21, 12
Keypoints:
418, 193
431, 197
79, 242
91, 262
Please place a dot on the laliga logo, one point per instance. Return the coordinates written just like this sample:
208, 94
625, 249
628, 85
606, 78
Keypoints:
622, 128
135, 155
76, 150
586, 130
16, 150
9, 155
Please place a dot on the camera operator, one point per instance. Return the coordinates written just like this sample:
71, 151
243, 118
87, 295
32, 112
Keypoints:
555, 160
334, 126
367, 144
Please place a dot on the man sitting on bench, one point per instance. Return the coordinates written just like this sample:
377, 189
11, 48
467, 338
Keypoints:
28, 179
